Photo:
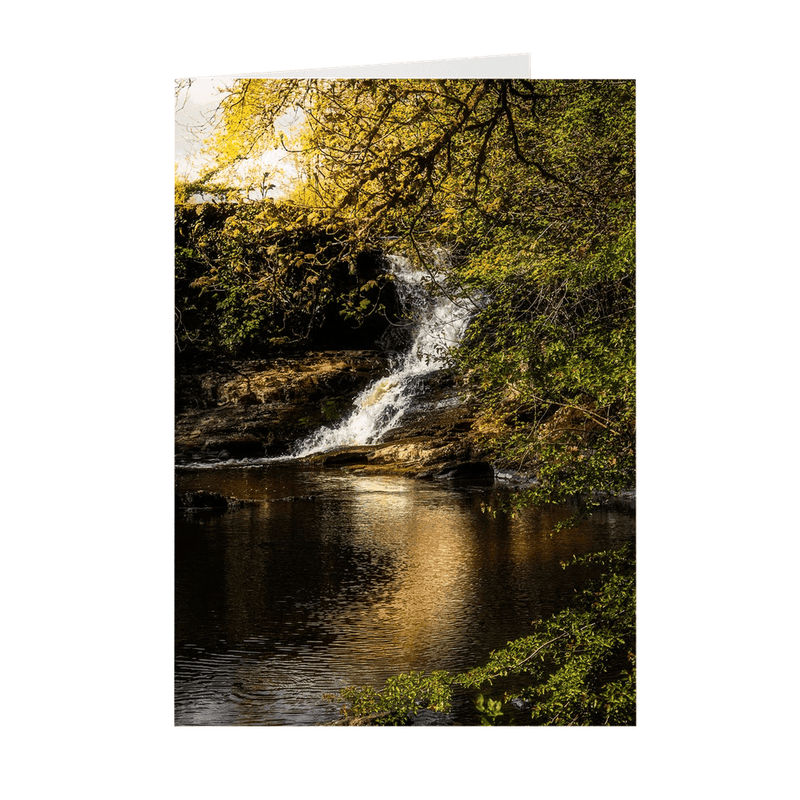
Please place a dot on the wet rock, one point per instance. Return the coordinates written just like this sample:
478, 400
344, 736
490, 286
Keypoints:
250, 409
209, 501
515, 478
200, 500
340, 458
469, 471
624, 501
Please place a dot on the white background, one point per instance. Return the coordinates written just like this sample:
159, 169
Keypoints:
87, 334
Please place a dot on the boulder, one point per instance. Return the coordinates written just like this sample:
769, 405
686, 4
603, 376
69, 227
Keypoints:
469, 471
339, 458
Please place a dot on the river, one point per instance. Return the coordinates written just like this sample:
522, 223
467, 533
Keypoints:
329, 579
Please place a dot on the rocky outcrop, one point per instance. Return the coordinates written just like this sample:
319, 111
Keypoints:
247, 409
434, 440
417, 458
250, 409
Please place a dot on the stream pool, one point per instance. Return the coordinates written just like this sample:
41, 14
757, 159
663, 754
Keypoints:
330, 579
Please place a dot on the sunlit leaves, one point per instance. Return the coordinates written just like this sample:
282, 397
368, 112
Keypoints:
401, 698
530, 184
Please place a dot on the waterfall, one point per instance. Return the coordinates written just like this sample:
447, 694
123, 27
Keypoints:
437, 322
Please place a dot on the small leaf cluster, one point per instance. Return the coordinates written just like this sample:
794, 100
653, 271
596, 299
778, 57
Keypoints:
489, 710
401, 698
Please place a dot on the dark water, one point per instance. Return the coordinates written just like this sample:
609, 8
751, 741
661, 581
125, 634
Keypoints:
334, 580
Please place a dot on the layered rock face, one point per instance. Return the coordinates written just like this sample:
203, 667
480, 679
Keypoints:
433, 440
250, 409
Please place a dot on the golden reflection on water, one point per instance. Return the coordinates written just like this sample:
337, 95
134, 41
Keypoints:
430, 596
432, 584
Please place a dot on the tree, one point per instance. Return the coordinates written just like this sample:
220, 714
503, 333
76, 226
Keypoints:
266, 276
531, 185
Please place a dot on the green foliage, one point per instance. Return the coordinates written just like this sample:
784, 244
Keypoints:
268, 275
334, 407
531, 185
577, 668
401, 698
552, 358
489, 711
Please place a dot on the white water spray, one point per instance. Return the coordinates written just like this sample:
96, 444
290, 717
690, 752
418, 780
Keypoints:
437, 323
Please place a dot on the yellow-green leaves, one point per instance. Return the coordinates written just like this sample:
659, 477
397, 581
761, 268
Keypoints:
529, 182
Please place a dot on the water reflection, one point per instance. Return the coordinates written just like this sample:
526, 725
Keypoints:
332, 579
425, 607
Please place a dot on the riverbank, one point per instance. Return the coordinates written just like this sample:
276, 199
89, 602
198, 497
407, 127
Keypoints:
252, 409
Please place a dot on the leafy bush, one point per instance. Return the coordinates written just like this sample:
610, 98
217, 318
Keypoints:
577, 668
265, 276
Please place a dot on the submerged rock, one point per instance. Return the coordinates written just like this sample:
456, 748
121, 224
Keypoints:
470, 470
200, 500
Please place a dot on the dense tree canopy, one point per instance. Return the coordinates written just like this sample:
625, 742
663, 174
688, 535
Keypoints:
530, 185
452, 159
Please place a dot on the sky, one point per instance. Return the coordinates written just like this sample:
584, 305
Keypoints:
194, 109
195, 121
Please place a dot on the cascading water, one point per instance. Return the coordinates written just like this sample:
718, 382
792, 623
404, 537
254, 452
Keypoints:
437, 323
